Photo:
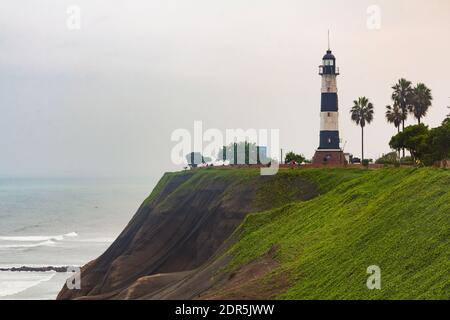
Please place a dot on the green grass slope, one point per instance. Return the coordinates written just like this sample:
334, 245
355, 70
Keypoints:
397, 219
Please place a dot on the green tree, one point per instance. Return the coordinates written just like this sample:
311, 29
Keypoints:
421, 101
414, 139
438, 143
362, 114
291, 156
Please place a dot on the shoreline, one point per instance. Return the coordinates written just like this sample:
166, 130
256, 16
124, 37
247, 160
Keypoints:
36, 269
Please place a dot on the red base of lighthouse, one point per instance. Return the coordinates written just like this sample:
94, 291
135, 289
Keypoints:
329, 157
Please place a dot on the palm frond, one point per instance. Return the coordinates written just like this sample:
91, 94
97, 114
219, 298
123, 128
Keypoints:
362, 111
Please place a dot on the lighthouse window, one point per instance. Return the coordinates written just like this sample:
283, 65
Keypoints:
329, 114
328, 62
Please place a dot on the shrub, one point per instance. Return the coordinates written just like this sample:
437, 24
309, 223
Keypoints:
389, 158
409, 161
293, 157
366, 162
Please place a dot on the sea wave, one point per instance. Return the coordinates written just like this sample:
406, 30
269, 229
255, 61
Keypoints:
39, 238
98, 240
13, 283
31, 265
39, 244
71, 235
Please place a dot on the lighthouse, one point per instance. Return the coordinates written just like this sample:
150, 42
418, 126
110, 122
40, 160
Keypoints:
329, 151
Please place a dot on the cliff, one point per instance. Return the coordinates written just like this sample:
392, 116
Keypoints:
302, 234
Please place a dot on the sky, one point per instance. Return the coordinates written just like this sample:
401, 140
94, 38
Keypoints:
103, 99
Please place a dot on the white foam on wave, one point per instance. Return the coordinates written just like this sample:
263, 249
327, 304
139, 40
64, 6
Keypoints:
71, 235
31, 238
32, 265
40, 244
16, 282
98, 240
39, 238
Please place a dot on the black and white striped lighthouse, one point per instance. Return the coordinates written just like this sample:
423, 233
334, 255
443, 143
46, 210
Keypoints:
329, 151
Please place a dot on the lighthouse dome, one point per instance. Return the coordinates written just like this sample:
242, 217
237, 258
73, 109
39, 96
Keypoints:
329, 56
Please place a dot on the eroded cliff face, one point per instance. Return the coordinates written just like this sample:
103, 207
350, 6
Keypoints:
173, 247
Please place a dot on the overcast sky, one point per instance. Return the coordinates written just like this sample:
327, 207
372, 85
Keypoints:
104, 99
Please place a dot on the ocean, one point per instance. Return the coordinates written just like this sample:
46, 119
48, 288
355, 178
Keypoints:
60, 222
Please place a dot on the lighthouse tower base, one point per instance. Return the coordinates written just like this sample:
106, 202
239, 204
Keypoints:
329, 157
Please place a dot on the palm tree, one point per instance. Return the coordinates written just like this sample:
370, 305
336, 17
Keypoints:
421, 101
395, 115
402, 96
362, 113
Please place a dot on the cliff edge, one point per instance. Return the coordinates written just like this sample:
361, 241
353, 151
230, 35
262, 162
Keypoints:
302, 234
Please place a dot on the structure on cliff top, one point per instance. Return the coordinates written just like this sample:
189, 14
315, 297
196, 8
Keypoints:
329, 151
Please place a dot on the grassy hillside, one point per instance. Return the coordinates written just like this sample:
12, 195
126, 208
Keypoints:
398, 219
